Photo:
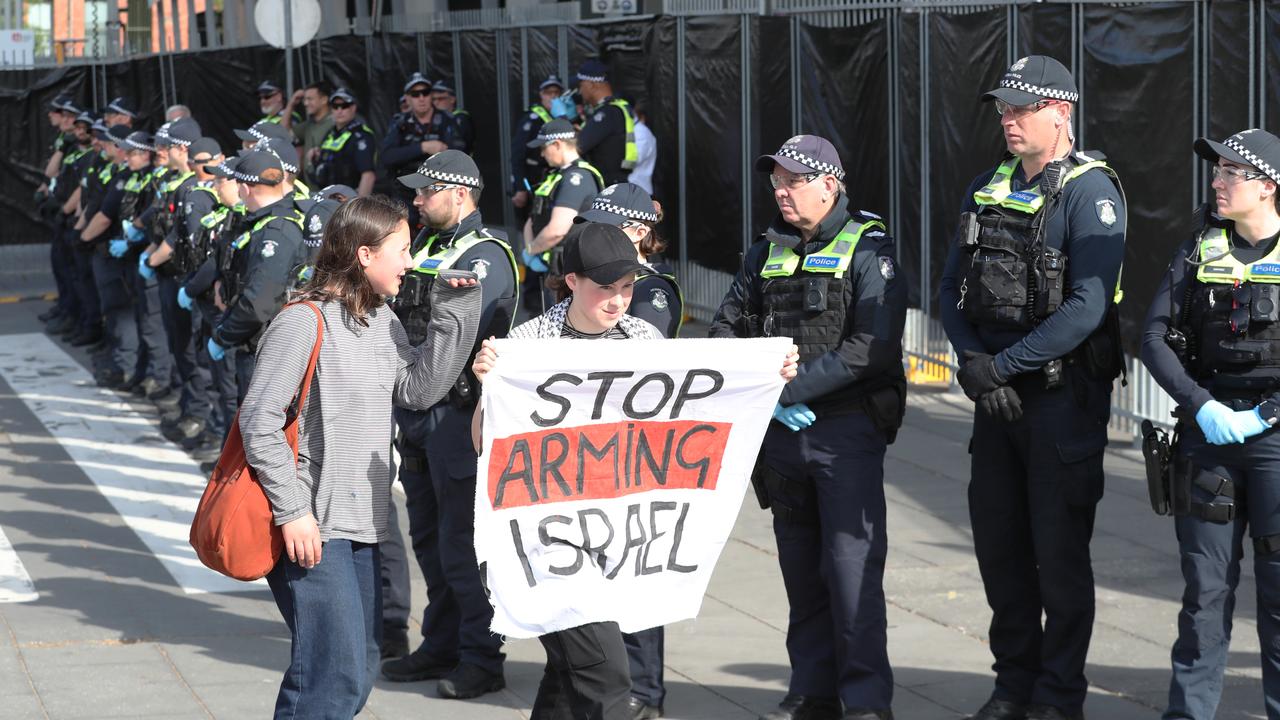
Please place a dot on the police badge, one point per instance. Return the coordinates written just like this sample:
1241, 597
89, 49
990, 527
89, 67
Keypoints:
886, 268
480, 268
315, 226
1106, 209
269, 248
658, 298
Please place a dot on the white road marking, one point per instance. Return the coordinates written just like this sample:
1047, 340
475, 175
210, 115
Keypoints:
151, 483
15, 583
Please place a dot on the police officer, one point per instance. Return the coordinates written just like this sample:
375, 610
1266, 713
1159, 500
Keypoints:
260, 131
292, 164
416, 135
346, 154
823, 273
268, 248
1208, 342
111, 271
317, 210
608, 136
528, 167
438, 461
187, 194
57, 211
563, 193
93, 188
219, 228
120, 111
71, 179
1028, 302
445, 100
271, 103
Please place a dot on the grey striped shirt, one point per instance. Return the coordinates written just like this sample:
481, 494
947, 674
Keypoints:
343, 475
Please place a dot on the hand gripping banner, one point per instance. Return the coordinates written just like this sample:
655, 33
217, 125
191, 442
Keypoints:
612, 473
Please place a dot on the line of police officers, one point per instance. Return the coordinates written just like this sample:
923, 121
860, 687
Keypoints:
1028, 299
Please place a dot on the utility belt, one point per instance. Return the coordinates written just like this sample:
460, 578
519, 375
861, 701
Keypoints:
884, 403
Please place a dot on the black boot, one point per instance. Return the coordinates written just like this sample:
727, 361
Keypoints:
799, 707
418, 665
469, 681
1000, 710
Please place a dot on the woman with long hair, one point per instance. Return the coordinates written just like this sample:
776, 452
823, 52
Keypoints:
331, 505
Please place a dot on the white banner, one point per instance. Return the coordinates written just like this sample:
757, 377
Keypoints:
612, 473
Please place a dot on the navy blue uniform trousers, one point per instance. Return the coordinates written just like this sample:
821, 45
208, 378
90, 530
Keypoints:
1033, 495
440, 500
114, 278
180, 330
1211, 555
833, 561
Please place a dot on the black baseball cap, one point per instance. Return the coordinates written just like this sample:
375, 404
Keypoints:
59, 103
442, 86
804, 154
1033, 78
618, 203
557, 129
551, 81
416, 79
259, 167
336, 192
344, 95
1254, 147
267, 88
601, 252
262, 130
449, 166
205, 145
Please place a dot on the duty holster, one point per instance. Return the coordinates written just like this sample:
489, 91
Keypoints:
886, 407
771, 485
1158, 454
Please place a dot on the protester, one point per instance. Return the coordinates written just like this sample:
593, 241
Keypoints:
331, 503
587, 673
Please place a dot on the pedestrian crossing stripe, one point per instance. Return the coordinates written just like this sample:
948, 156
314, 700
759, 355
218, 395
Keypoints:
151, 483
15, 583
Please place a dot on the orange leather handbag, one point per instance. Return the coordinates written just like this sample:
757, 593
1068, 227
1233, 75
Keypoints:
234, 531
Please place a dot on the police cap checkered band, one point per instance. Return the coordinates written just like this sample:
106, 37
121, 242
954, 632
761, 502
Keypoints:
121, 106
259, 167
1254, 159
605, 205
1044, 92
450, 178
593, 71
283, 151
557, 136
139, 141
817, 165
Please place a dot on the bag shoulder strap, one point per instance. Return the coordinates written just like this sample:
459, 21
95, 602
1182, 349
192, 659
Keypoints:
311, 364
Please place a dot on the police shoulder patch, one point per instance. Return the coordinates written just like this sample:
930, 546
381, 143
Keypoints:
526, 126
269, 248
575, 179
1106, 209
362, 145
599, 117
658, 298
887, 270
480, 267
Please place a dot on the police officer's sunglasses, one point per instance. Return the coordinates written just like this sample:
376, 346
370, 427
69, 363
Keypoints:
419, 93
793, 182
340, 105
1231, 175
1021, 111
200, 161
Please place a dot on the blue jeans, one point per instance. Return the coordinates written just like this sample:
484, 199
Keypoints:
334, 613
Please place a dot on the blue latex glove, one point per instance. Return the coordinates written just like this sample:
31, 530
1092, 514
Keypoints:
184, 300
1249, 422
118, 247
795, 417
533, 262
216, 351
1217, 422
145, 270
132, 232
564, 107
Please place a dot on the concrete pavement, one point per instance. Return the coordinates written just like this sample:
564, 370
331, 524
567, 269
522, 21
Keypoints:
112, 635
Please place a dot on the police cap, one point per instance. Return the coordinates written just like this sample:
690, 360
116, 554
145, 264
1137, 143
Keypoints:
282, 149
593, 71
259, 167
557, 129
227, 169
262, 130
442, 86
139, 140
804, 154
266, 88
183, 131
1254, 147
1033, 78
618, 203
344, 95
416, 79
450, 166
551, 81
122, 106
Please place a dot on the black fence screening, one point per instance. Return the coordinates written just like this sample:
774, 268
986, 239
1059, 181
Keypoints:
896, 90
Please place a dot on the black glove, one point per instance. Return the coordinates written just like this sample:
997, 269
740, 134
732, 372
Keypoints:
1002, 402
978, 375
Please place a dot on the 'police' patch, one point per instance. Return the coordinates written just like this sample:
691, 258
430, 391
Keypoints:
480, 268
886, 268
1106, 209
599, 117
659, 300
575, 179
362, 146
526, 126
269, 248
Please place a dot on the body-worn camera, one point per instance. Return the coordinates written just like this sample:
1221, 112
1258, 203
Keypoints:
815, 294
968, 232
